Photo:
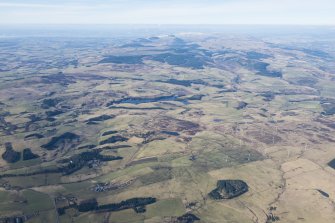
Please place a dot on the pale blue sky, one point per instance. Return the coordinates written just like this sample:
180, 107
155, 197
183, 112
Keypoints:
305, 12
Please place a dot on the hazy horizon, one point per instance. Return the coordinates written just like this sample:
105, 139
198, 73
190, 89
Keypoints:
238, 12
129, 30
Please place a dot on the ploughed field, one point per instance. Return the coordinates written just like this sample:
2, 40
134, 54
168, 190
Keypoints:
173, 128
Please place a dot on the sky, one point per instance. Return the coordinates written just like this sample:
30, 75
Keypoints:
290, 12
